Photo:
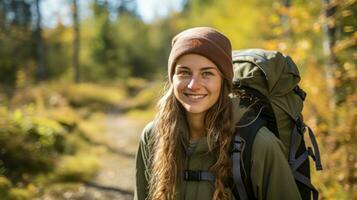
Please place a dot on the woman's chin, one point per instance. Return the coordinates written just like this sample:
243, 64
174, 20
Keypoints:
195, 110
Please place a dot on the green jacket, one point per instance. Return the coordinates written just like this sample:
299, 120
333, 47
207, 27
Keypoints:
271, 175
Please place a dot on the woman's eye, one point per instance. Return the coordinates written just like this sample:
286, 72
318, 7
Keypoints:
205, 74
183, 73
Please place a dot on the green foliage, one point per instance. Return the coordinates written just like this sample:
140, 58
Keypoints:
15, 33
111, 48
12, 60
5, 186
9, 193
230, 17
118, 48
92, 96
137, 49
20, 194
35, 136
146, 97
58, 42
345, 48
78, 168
23, 132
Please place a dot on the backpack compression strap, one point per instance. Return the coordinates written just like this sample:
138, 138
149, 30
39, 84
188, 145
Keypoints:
238, 146
295, 163
243, 142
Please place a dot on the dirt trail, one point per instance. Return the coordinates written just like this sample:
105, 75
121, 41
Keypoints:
116, 177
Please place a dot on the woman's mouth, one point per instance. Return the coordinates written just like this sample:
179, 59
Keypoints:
195, 96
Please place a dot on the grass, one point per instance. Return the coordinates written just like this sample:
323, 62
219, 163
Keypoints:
78, 168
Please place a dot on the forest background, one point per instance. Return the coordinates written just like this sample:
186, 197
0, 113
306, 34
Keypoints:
59, 84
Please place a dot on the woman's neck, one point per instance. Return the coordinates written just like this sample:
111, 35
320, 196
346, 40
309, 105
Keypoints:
196, 125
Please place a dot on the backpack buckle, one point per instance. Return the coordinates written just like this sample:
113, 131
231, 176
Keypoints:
301, 127
238, 144
190, 175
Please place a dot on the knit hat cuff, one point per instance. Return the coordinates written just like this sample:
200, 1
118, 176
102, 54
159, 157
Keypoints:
205, 47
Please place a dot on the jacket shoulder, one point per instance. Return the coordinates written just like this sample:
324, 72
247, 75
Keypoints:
142, 163
271, 174
265, 140
147, 133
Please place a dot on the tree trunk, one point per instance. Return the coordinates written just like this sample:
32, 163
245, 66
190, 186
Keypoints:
2, 15
331, 59
41, 72
76, 41
285, 19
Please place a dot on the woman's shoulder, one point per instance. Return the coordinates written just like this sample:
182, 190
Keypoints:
147, 132
266, 142
270, 173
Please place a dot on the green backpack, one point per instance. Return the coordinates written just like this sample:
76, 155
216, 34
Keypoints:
267, 83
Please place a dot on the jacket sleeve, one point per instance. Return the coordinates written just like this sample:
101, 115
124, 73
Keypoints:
271, 175
142, 172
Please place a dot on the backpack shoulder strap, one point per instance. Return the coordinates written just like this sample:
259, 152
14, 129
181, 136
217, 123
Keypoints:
243, 183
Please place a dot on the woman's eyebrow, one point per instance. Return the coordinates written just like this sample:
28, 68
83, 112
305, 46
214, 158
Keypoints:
208, 68
201, 69
182, 67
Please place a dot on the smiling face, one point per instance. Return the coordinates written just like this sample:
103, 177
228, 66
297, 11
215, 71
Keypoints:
197, 83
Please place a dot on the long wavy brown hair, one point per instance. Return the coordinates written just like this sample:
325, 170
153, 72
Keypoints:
168, 155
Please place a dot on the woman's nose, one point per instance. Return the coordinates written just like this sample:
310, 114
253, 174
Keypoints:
194, 83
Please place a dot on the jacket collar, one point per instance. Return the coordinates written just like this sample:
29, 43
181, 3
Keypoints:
202, 143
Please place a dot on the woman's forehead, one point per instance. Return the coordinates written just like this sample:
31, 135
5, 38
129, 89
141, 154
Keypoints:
195, 61
183, 67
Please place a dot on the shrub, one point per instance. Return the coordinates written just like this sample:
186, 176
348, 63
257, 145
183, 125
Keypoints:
92, 96
5, 186
145, 98
81, 167
20, 194
28, 143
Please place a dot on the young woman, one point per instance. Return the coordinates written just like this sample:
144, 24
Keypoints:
194, 127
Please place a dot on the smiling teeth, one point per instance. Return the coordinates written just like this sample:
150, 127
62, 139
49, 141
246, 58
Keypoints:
195, 96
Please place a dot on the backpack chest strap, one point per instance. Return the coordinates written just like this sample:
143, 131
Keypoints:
198, 175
